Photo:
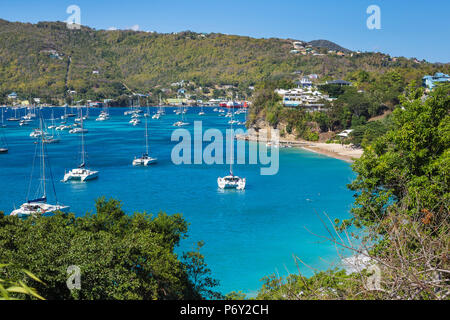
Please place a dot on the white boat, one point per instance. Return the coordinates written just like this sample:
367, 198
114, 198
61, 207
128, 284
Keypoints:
156, 116
63, 127
231, 181
161, 110
78, 130
81, 173
15, 118
35, 207
51, 140
39, 206
181, 123
37, 133
103, 116
145, 159
135, 121
201, 113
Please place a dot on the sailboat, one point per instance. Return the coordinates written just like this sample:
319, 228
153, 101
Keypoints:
181, 123
81, 173
39, 206
51, 139
3, 117
231, 181
145, 159
161, 110
3, 143
201, 113
15, 116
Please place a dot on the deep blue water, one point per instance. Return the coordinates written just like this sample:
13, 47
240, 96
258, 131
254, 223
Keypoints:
248, 234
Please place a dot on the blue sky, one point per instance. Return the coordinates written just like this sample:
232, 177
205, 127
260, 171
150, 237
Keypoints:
413, 28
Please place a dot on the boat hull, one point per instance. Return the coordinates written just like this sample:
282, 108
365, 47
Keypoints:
36, 209
231, 183
80, 176
144, 162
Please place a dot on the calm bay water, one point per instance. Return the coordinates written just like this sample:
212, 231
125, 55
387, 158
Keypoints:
248, 234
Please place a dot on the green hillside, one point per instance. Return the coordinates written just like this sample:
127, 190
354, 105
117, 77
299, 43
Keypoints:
147, 62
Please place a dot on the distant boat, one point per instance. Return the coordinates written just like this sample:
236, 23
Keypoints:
15, 118
145, 159
182, 122
39, 206
201, 113
81, 173
36, 133
135, 121
3, 143
3, 117
78, 130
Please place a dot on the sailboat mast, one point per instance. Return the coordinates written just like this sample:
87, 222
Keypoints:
82, 138
231, 146
146, 136
43, 159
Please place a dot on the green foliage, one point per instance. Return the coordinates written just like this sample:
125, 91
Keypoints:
16, 290
147, 62
120, 256
239, 295
365, 134
409, 166
327, 285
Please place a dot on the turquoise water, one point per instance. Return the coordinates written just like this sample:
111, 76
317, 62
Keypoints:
247, 234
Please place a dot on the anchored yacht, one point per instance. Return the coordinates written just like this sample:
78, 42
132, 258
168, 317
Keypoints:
231, 181
39, 206
81, 173
145, 159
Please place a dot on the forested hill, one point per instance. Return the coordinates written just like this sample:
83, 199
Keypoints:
34, 60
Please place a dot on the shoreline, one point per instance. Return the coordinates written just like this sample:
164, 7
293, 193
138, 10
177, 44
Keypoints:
337, 151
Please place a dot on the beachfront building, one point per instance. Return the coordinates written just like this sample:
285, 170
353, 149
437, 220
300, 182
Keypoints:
430, 82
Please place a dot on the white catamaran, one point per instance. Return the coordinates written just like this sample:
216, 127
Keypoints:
231, 181
39, 206
81, 173
145, 159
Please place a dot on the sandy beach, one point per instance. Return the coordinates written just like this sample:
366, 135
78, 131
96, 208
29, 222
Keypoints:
343, 152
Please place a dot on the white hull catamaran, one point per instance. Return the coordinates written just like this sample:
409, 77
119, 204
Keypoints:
145, 159
231, 181
39, 206
81, 173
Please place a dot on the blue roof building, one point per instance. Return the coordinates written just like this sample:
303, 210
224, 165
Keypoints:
431, 81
